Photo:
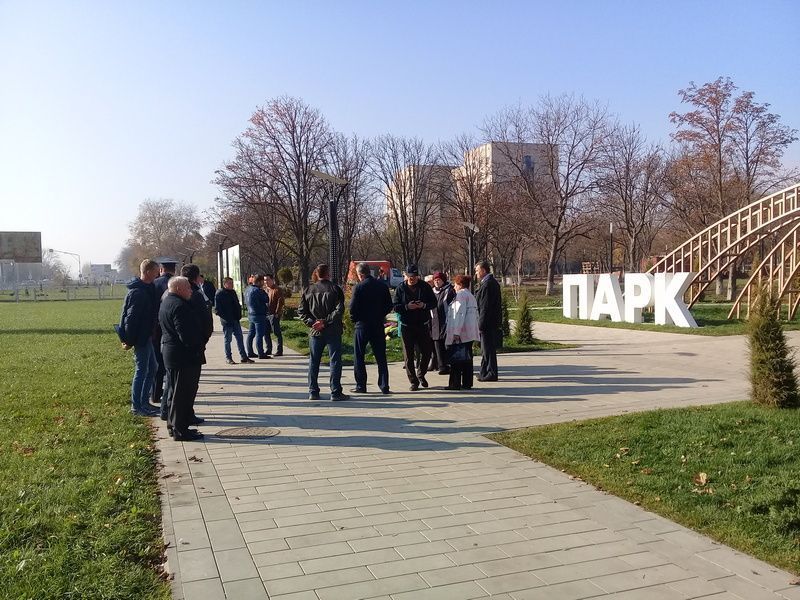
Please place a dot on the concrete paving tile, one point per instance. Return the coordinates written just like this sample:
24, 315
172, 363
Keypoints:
455, 591
571, 590
246, 589
190, 535
448, 575
371, 589
207, 589
225, 535
235, 564
197, 564
630, 580
412, 565
340, 577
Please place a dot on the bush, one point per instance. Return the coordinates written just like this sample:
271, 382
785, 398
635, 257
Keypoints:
289, 313
506, 323
523, 331
349, 326
285, 276
772, 378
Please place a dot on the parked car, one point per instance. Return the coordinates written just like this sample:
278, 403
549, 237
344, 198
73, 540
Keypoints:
381, 269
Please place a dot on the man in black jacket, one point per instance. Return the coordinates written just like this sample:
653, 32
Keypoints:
229, 310
368, 307
490, 319
203, 315
321, 308
182, 348
160, 284
136, 328
413, 301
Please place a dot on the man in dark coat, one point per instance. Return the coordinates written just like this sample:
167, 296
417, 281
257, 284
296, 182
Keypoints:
182, 346
490, 320
321, 308
369, 305
227, 307
136, 327
413, 302
160, 284
208, 290
205, 321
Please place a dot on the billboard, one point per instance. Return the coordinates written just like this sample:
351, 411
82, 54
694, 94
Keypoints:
21, 246
231, 267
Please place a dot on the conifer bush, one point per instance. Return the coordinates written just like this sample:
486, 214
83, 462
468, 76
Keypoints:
772, 377
506, 323
524, 322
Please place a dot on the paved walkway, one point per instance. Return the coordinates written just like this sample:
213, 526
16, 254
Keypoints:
402, 497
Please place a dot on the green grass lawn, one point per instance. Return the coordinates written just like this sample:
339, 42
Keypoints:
79, 510
711, 318
729, 471
295, 336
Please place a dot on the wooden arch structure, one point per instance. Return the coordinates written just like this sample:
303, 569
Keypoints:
773, 223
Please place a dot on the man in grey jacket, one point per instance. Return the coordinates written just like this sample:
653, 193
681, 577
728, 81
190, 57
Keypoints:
321, 308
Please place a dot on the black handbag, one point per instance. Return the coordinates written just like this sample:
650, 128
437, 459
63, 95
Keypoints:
460, 353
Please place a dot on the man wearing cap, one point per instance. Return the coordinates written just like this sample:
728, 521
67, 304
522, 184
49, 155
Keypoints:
413, 302
369, 305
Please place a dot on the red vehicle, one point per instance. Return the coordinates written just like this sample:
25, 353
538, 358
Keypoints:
381, 269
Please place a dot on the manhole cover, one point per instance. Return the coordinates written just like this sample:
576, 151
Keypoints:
248, 432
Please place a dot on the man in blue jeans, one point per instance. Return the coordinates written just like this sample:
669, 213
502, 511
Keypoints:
257, 309
136, 327
226, 305
321, 308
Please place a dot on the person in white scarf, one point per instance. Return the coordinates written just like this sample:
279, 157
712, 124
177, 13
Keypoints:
462, 331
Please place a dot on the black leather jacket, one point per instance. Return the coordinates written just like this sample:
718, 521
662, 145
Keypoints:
324, 301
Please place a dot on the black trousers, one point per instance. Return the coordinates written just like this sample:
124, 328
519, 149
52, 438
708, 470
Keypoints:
376, 338
419, 338
161, 371
490, 340
440, 361
461, 375
184, 389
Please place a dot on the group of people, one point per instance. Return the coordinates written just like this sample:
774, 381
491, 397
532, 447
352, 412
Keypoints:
437, 325
166, 320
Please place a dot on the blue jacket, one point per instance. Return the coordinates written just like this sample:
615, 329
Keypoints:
257, 302
139, 313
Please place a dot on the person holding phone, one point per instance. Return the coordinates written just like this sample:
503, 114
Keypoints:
413, 302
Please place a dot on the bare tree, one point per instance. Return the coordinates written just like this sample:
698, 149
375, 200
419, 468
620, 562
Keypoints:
632, 185
740, 142
349, 161
285, 140
408, 174
559, 189
469, 194
161, 227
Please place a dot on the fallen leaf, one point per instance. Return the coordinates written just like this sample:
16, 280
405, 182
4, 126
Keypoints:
700, 478
646, 471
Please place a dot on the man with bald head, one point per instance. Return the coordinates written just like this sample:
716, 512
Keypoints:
182, 345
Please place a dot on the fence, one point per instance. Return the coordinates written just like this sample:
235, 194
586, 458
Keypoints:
44, 293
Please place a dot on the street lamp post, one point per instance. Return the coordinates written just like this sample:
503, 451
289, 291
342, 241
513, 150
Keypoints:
333, 223
471, 229
78, 256
222, 239
611, 243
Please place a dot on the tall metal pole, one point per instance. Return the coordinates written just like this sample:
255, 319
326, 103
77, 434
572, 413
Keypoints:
333, 237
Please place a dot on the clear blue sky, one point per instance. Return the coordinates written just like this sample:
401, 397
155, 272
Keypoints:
105, 104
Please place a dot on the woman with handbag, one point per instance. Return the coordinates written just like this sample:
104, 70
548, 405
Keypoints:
462, 331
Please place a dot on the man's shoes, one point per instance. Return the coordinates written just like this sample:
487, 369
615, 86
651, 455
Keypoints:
339, 397
453, 387
414, 387
314, 396
196, 420
143, 413
263, 356
229, 361
187, 436
279, 353
486, 378
444, 371
246, 360
386, 391
163, 417
423, 381
252, 355
358, 390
